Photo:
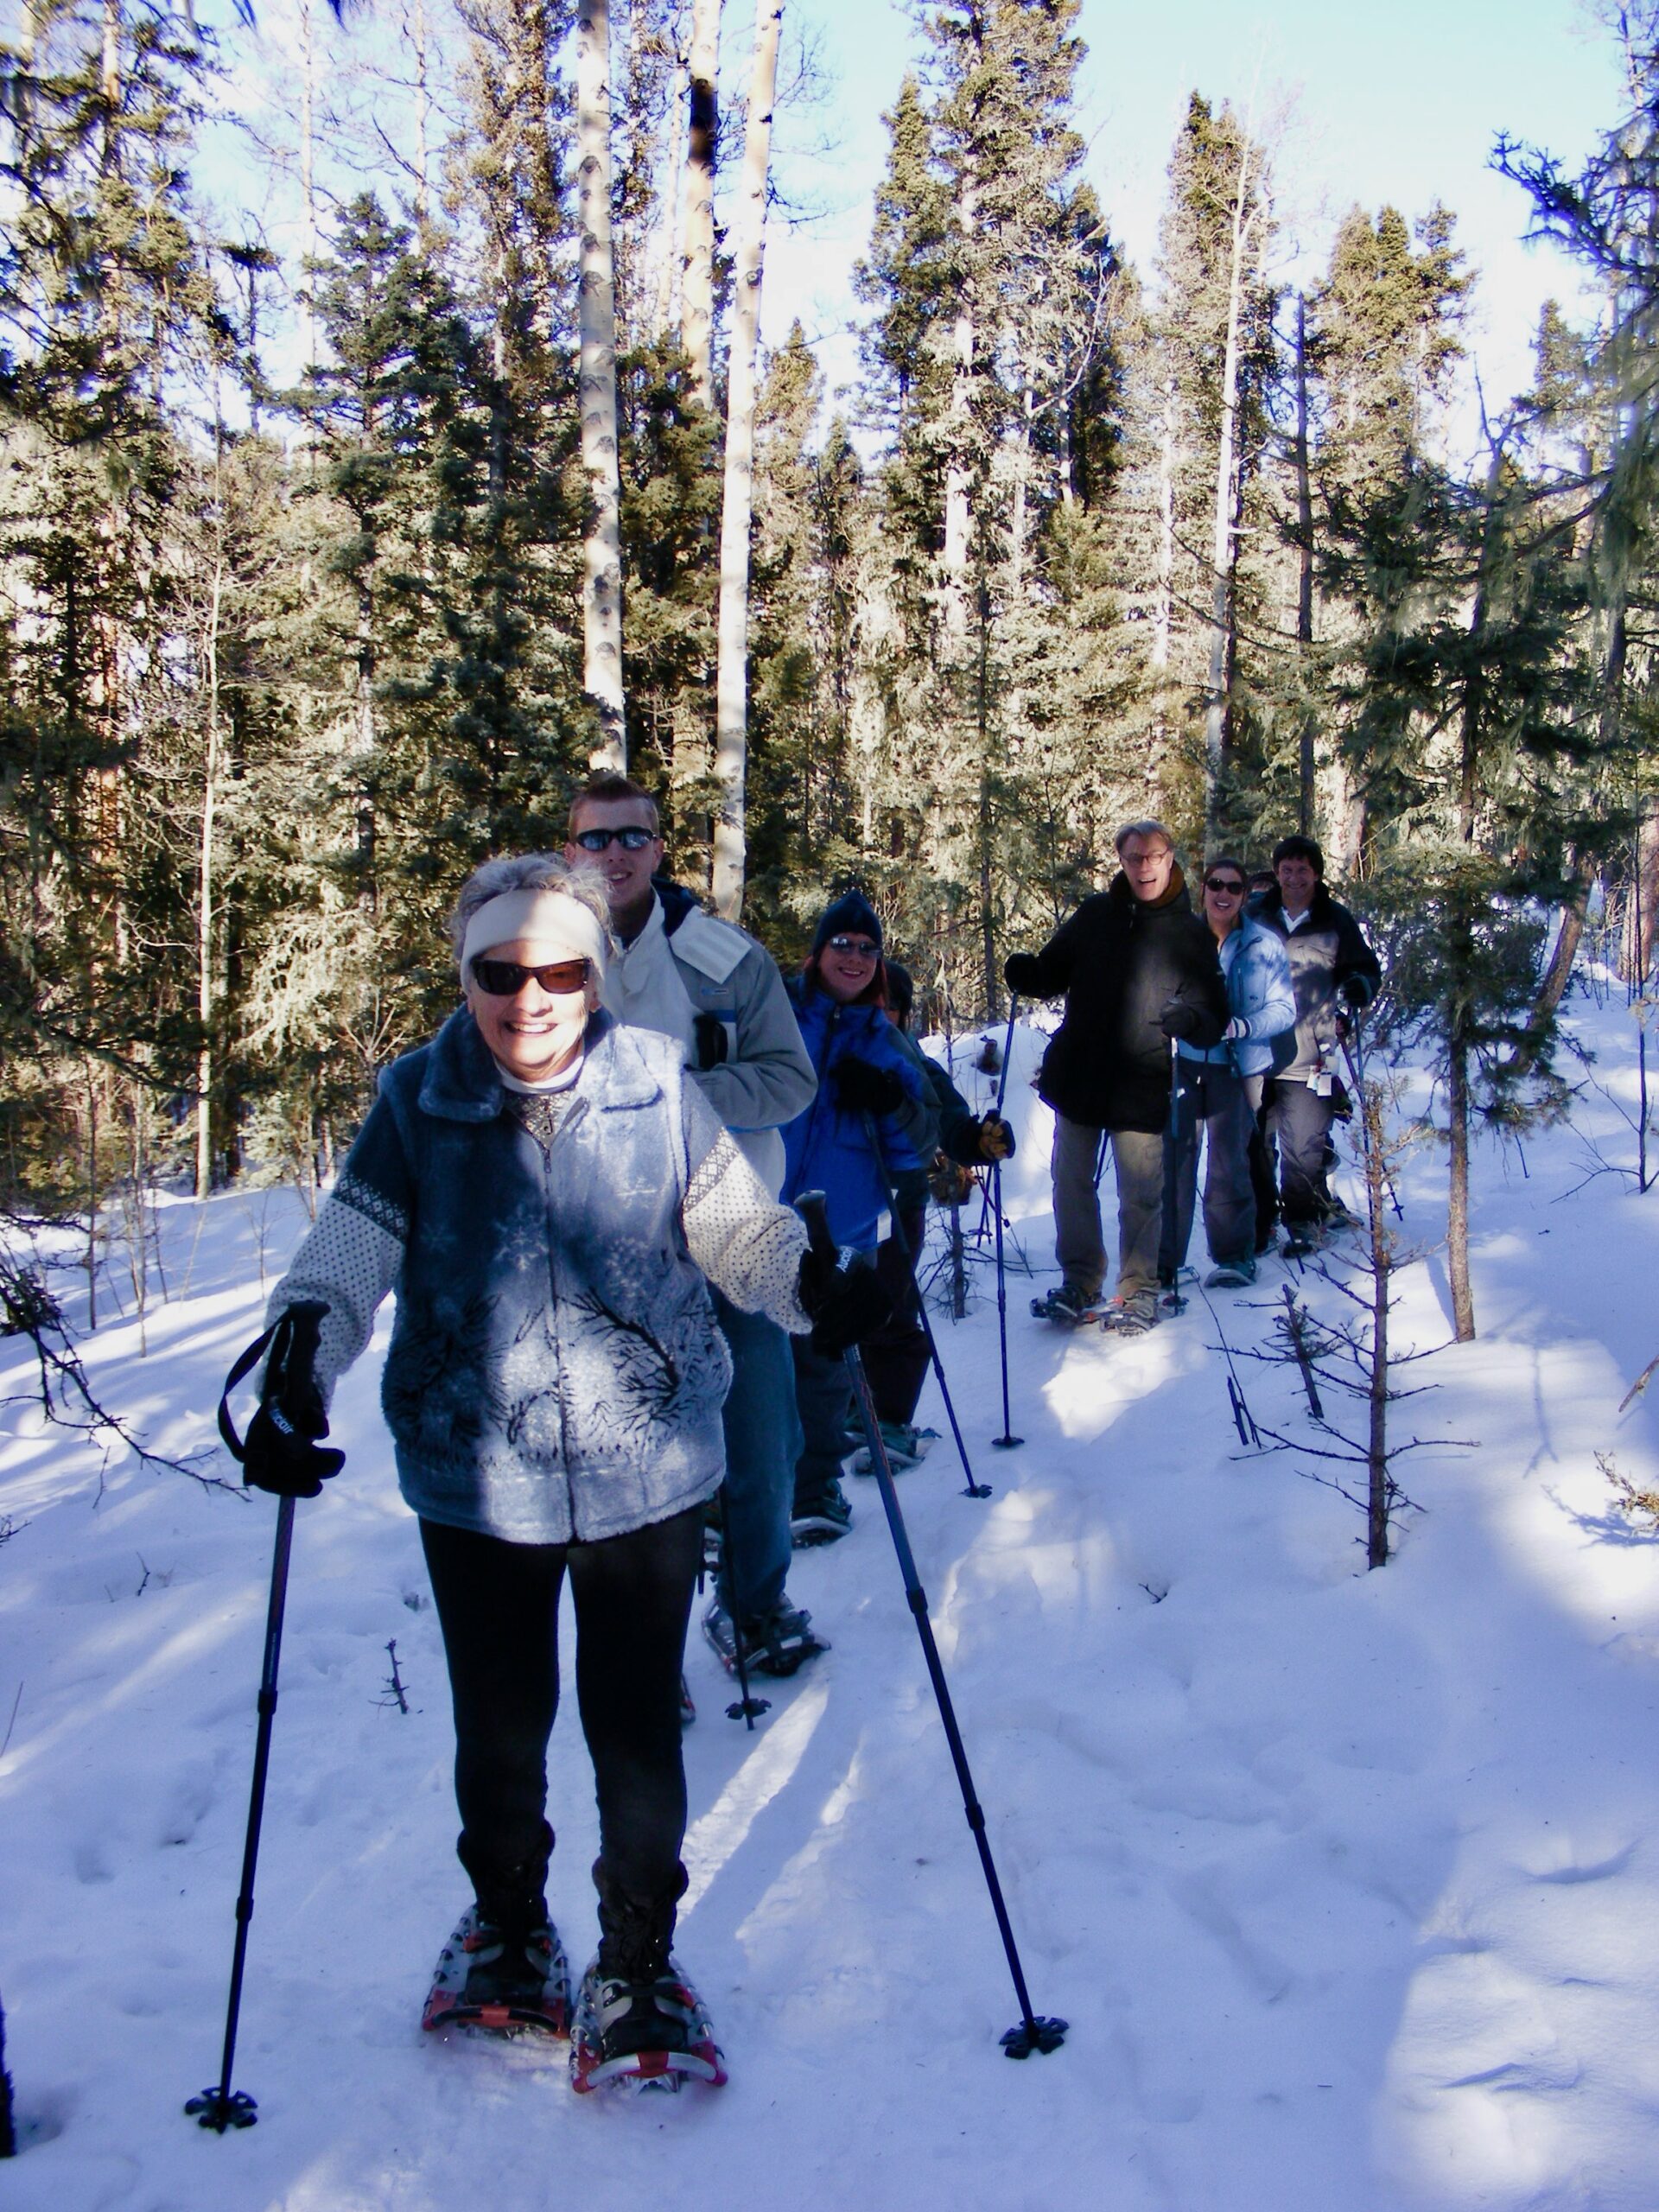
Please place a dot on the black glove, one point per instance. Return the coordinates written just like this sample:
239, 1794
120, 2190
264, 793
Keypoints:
845, 1304
861, 1088
1355, 991
1022, 972
996, 1138
711, 1033
1179, 1020
281, 1453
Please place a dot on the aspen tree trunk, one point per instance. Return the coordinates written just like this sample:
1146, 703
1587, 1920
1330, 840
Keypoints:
1303, 573
419, 35
205, 902
601, 598
697, 255
731, 687
1225, 542
308, 188
1163, 603
667, 270
958, 488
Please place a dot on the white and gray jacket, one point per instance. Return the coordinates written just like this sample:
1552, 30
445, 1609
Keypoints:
556, 1370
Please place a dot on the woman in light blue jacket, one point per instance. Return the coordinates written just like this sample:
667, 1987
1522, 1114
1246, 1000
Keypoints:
1219, 1090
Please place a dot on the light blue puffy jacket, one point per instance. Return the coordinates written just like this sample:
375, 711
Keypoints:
1259, 991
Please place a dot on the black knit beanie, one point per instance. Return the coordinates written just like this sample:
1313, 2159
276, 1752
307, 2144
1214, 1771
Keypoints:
852, 915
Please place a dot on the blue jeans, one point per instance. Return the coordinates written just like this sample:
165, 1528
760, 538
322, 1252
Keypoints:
763, 1441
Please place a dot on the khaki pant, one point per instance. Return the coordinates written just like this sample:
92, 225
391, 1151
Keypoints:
1138, 1163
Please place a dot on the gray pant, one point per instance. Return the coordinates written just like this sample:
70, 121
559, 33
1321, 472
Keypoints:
1300, 1121
1138, 1160
1213, 1103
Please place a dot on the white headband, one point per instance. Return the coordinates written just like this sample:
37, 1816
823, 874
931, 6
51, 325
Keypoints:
551, 920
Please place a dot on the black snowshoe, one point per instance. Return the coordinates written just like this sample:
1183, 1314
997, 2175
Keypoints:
494, 1978
1068, 1305
641, 2035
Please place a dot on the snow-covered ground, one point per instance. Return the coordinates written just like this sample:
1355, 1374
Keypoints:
1347, 1882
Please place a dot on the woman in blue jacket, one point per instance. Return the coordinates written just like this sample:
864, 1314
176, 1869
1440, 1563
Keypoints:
867, 1087
1220, 1089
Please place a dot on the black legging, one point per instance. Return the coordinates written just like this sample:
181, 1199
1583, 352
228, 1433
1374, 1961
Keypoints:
499, 1608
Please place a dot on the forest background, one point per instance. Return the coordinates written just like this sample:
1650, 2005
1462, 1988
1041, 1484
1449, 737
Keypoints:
386, 435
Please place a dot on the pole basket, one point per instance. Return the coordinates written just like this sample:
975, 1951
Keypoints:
1035, 2034
219, 2110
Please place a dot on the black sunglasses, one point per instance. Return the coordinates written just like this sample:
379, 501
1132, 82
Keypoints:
504, 979
857, 948
598, 841
1229, 883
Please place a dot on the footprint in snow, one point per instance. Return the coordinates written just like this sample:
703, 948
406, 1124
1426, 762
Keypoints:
1597, 1870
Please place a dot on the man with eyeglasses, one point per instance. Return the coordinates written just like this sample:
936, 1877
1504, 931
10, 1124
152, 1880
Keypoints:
717, 989
1139, 969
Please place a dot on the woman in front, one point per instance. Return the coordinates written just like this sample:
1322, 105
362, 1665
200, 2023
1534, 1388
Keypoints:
546, 1192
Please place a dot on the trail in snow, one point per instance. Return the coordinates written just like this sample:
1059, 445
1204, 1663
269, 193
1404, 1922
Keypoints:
1346, 1882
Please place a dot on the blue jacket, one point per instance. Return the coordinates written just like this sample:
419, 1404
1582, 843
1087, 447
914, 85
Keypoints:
827, 1150
1257, 968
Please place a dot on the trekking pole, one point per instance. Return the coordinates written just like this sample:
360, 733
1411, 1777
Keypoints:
1033, 2032
1007, 1441
1002, 1089
746, 1709
221, 2107
973, 1489
1177, 1304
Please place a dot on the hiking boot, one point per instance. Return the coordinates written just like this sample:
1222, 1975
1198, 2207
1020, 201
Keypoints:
495, 1978
1231, 1274
779, 1644
1132, 1316
820, 1516
906, 1446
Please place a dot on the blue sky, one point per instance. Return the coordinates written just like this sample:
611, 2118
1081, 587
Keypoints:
1398, 103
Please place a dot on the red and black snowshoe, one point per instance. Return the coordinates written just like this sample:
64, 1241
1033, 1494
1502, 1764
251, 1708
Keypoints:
487, 1978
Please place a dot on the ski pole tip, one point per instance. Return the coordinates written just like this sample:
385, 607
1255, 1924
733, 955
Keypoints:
219, 2110
1007, 1443
1034, 2034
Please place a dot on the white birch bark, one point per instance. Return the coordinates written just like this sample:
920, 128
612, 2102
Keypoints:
958, 483
205, 901
1224, 545
602, 596
697, 258
667, 267
737, 507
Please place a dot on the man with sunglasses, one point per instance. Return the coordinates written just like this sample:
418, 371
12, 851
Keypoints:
718, 991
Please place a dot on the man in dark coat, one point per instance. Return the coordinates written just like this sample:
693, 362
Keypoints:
1336, 974
1138, 968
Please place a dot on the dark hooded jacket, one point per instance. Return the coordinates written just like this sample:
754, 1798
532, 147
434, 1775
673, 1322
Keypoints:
1121, 961
1325, 951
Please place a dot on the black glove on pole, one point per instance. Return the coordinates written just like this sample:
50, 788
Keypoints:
1008, 1440
293, 1344
1032, 2033
973, 1489
860, 1087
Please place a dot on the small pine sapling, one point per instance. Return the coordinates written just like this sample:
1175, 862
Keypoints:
1355, 1356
